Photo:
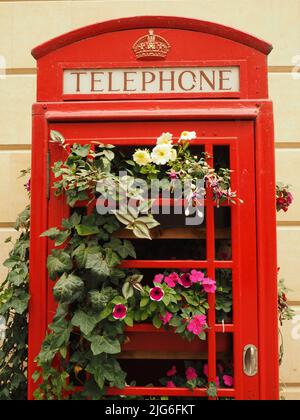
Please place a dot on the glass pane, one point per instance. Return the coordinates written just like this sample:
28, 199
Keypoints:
223, 244
224, 297
221, 157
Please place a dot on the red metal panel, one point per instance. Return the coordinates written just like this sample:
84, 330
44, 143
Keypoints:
38, 246
267, 254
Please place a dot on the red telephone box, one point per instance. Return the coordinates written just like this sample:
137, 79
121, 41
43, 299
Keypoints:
124, 82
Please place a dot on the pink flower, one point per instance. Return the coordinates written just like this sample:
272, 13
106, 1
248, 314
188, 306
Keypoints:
120, 312
173, 175
209, 285
172, 372
196, 276
28, 185
228, 380
170, 384
220, 368
172, 280
191, 374
185, 280
167, 318
197, 324
158, 278
289, 198
157, 294
218, 382
205, 370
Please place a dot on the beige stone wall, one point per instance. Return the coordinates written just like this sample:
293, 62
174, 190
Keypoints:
24, 24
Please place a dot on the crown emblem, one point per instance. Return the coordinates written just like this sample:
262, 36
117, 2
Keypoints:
151, 46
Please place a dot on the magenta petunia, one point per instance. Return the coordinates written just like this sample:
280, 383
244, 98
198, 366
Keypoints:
166, 319
185, 280
170, 384
158, 278
205, 370
172, 371
220, 368
120, 312
197, 324
28, 185
289, 198
157, 294
191, 374
197, 276
172, 279
209, 285
228, 380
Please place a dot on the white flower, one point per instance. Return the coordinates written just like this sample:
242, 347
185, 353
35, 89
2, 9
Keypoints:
142, 157
165, 138
161, 154
188, 136
173, 155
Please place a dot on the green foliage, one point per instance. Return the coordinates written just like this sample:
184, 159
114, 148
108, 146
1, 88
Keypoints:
14, 299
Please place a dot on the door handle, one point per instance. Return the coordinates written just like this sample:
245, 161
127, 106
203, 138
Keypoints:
250, 360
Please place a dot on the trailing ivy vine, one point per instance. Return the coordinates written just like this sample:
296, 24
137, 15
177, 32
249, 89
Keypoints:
14, 299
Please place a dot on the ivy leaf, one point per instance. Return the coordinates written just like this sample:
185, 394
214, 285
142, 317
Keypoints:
73, 221
62, 237
97, 264
124, 249
58, 263
85, 230
51, 233
95, 368
68, 289
86, 322
114, 374
20, 302
100, 299
101, 344
212, 390
112, 259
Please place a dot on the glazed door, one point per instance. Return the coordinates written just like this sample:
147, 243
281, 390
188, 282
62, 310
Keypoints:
224, 246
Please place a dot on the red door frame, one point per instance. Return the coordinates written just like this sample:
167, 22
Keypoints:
260, 112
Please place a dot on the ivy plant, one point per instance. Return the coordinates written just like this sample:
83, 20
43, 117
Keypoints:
14, 299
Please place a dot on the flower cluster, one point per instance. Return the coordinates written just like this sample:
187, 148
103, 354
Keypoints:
187, 280
164, 151
197, 374
177, 300
284, 197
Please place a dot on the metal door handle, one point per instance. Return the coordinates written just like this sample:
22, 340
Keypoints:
250, 360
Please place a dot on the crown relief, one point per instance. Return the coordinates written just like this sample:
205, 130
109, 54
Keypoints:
151, 46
